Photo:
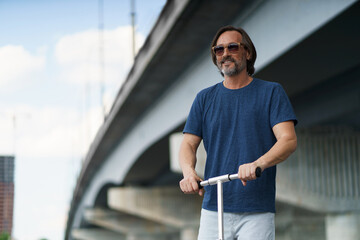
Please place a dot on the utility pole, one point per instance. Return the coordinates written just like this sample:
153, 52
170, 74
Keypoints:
14, 119
101, 56
133, 26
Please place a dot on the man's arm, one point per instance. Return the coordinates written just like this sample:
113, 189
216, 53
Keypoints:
187, 159
285, 145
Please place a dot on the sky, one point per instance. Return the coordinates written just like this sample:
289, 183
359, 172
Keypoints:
52, 93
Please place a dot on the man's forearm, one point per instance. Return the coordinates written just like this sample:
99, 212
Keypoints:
187, 154
281, 150
187, 158
285, 145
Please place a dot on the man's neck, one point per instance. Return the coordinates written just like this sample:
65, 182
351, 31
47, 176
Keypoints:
237, 81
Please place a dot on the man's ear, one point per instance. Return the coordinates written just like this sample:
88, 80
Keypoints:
248, 55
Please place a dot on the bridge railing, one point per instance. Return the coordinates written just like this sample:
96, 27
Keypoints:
323, 173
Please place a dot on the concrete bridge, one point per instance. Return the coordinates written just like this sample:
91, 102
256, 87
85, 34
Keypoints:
128, 187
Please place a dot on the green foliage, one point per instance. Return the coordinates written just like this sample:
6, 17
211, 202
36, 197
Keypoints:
4, 236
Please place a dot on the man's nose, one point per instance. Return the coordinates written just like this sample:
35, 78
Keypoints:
226, 52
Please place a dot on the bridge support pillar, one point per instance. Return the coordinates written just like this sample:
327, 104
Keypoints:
143, 237
344, 226
188, 233
167, 206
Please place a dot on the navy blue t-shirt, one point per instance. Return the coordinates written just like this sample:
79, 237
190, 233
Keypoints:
236, 128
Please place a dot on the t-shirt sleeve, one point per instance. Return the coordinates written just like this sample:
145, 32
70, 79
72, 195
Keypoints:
194, 121
280, 108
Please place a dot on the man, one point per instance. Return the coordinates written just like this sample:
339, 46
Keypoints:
245, 123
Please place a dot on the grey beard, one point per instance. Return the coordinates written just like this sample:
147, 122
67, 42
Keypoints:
232, 71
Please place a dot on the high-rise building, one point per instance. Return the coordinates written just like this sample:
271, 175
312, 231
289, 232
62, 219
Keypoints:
6, 193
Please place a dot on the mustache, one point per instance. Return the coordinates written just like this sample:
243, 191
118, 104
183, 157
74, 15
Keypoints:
227, 58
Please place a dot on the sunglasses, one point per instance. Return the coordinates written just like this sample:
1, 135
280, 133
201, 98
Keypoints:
232, 48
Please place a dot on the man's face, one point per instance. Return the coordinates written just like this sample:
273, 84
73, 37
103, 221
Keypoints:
231, 64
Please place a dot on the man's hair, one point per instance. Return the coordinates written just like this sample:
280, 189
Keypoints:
248, 45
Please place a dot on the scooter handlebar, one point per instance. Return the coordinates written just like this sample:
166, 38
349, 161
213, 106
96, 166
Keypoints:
225, 178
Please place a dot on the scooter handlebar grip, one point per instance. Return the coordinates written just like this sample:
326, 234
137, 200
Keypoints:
199, 185
258, 172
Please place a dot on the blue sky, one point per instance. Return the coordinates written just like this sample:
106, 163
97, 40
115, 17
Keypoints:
50, 103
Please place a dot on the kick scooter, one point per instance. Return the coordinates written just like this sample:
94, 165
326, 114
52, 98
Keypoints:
219, 180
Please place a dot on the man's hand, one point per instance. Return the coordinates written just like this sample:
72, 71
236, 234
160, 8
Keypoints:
189, 185
247, 172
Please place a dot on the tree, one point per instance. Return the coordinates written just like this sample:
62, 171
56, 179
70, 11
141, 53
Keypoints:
4, 236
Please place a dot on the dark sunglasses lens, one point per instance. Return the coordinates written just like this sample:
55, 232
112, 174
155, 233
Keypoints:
219, 50
233, 47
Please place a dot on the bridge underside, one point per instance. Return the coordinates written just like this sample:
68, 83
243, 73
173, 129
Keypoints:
321, 76
134, 194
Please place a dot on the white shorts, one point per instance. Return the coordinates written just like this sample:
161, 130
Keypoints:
238, 226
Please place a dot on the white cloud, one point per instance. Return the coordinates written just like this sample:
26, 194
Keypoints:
78, 55
50, 141
49, 147
48, 132
49, 144
16, 63
47, 184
